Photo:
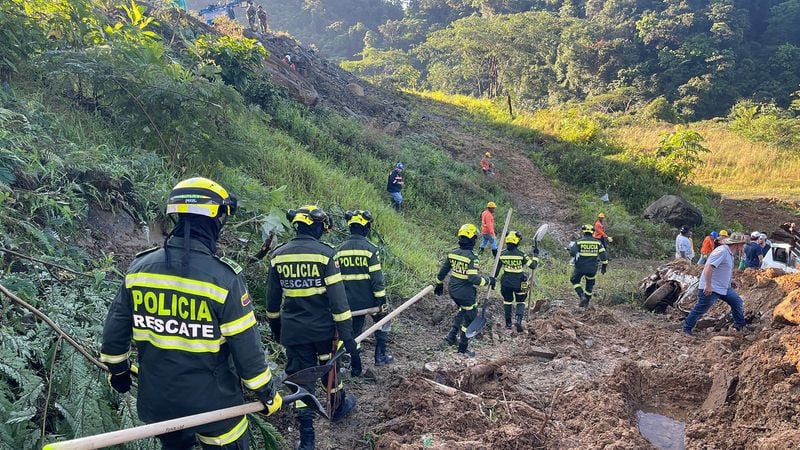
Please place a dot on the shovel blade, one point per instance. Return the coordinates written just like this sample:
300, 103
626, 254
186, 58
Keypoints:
476, 326
311, 375
300, 394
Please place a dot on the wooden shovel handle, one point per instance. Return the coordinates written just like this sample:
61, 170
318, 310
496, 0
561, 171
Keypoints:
396, 312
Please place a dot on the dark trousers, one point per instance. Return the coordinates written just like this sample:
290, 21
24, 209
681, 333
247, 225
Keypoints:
303, 356
575, 279
186, 439
380, 336
464, 317
514, 301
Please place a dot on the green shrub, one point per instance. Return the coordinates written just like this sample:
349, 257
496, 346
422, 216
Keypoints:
660, 110
765, 123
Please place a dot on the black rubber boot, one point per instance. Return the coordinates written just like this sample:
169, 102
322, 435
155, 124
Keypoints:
519, 323
584, 301
451, 336
345, 408
494, 252
463, 343
480, 252
507, 311
381, 358
306, 427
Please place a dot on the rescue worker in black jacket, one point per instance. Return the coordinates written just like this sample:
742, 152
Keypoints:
513, 266
586, 251
308, 311
191, 317
462, 264
362, 273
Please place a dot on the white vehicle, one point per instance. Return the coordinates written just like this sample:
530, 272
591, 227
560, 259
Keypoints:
780, 256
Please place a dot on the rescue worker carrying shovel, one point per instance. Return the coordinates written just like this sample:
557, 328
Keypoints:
192, 318
586, 251
462, 264
362, 274
514, 279
308, 311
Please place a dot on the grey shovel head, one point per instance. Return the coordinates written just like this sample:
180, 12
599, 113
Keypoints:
476, 326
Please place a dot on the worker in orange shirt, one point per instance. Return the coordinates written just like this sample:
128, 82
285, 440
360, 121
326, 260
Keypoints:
707, 247
600, 231
487, 228
486, 164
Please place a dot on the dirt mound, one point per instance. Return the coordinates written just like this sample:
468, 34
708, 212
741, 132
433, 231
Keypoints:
788, 282
456, 420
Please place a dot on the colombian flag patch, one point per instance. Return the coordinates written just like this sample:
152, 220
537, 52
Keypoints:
246, 298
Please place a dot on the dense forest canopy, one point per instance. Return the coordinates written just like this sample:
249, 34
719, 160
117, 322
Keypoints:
702, 55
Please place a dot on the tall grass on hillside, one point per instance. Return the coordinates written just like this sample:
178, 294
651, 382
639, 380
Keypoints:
736, 167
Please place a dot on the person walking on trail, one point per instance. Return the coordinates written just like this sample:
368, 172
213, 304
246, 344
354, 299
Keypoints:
251, 16
262, 19
308, 311
360, 263
707, 247
489, 237
486, 164
462, 265
191, 316
715, 284
395, 184
514, 281
753, 251
600, 231
683, 244
587, 251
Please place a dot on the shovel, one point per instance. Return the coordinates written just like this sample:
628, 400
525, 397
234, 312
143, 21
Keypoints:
477, 325
312, 374
181, 423
537, 238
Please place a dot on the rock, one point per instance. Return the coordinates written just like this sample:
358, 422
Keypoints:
356, 89
589, 342
620, 349
788, 310
392, 128
721, 389
673, 210
541, 352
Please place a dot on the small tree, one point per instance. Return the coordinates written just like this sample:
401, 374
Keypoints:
678, 154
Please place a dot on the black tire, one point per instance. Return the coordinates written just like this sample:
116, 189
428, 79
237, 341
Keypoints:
661, 298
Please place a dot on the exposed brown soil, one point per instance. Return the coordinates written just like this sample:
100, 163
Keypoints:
764, 215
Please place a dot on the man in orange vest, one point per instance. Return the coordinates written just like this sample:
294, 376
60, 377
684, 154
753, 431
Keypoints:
707, 247
600, 231
487, 228
486, 164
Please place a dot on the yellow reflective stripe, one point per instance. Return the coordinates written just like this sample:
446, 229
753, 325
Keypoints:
510, 270
225, 439
258, 380
511, 258
177, 342
305, 292
355, 276
602, 249
180, 284
300, 257
576, 285
472, 271
379, 293
273, 315
459, 257
366, 253
342, 316
508, 302
460, 276
605, 262
587, 254
114, 359
467, 308
375, 267
483, 282
300, 404
184, 208
333, 279
591, 278
235, 327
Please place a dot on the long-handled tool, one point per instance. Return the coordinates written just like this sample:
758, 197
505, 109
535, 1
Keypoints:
537, 238
312, 374
477, 325
181, 423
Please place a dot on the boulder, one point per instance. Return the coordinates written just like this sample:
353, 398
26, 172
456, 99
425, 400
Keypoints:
356, 89
673, 210
788, 311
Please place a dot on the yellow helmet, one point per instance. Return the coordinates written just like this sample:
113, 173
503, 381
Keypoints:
308, 215
586, 229
513, 237
200, 196
360, 217
601, 216
487, 154
468, 231
723, 233
491, 205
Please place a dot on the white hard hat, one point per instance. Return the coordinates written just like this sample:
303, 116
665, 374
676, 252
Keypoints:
755, 235
763, 236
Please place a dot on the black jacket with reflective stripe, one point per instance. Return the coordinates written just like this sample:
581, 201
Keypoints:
588, 251
513, 264
305, 290
195, 331
462, 264
362, 273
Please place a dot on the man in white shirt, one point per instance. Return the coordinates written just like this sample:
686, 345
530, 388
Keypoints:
683, 244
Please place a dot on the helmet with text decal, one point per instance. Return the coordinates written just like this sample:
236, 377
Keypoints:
202, 197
